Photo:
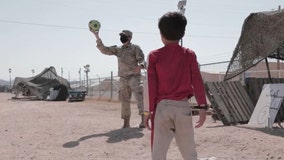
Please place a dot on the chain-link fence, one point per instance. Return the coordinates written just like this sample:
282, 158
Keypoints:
105, 88
101, 88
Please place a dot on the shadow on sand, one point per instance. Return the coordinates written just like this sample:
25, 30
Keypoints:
274, 131
114, 136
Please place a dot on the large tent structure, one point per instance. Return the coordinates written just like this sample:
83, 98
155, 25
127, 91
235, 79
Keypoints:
45, 86
262, 37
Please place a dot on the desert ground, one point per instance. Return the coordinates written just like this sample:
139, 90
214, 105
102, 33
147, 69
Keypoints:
91, 130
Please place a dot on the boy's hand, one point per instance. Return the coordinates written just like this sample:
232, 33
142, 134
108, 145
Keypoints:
202, 118
147, 120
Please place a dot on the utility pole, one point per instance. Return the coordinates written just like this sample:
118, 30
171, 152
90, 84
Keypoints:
181, 6
87, 70
61, 72
33, 72
10, 71
80, 84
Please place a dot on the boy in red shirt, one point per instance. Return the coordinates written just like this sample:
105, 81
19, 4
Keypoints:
173, 77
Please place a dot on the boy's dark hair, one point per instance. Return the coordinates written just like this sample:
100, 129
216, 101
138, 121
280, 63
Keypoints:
172, 25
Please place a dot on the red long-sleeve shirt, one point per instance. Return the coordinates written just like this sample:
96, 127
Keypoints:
173, 73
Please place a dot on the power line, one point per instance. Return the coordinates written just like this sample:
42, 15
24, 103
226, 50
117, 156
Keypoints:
207, 64
215, 59
215, 55
39, 24
206, 36
72, 27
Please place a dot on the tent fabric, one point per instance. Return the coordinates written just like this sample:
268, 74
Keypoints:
262, 37
41, 84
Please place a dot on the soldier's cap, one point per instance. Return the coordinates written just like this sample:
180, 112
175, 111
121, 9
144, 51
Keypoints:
126, 32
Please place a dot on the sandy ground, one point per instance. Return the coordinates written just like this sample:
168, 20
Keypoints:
90, 130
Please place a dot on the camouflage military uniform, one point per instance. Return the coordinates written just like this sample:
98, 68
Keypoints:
129, 57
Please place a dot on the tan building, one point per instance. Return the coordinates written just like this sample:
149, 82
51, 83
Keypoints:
259, 71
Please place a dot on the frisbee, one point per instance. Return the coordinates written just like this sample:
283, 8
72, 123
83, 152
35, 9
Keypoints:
95, 25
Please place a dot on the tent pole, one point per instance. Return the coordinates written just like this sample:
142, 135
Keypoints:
268, 70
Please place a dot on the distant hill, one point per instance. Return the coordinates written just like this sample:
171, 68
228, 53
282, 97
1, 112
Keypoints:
4, 83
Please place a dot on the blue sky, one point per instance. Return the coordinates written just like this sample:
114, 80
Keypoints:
36, 34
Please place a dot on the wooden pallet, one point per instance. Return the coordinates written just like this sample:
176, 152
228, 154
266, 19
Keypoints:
230, 101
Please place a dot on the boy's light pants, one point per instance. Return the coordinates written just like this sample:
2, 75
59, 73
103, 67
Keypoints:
173, 119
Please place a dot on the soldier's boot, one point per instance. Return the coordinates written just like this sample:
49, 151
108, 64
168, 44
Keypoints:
126, 123
141, 125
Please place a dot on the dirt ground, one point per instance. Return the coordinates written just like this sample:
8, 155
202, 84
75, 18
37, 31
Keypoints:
91, 130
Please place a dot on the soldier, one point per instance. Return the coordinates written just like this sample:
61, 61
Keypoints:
130, 62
